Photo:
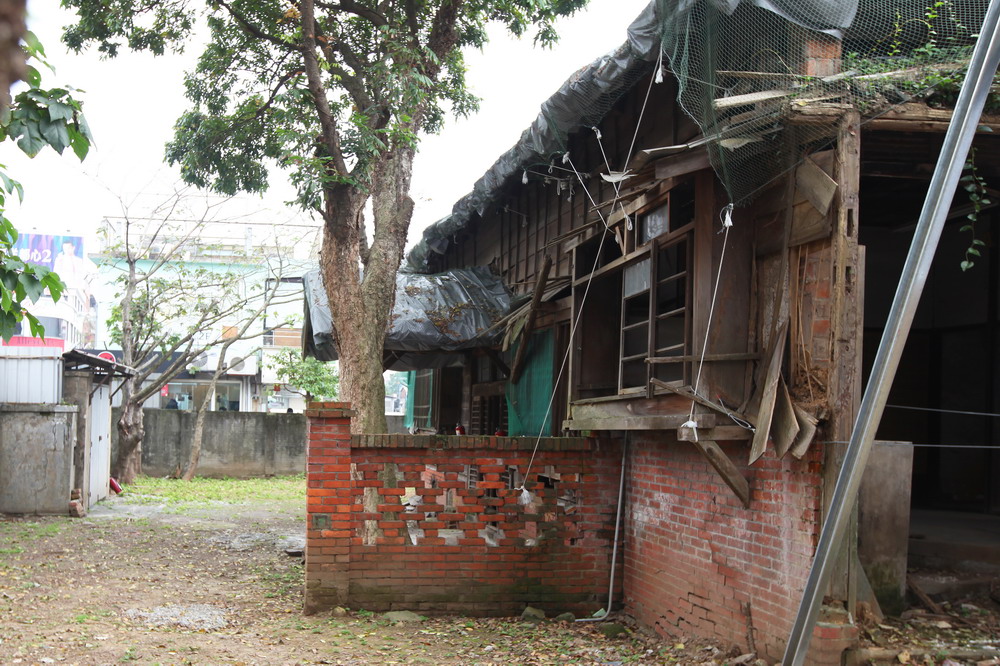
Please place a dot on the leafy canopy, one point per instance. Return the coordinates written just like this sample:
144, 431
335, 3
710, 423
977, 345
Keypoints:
36, 118
387, 69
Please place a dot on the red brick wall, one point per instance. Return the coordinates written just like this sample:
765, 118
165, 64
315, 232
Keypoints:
698, 563
434, 524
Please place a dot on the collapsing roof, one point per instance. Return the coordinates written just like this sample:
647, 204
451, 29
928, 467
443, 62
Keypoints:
433, 313
586, 97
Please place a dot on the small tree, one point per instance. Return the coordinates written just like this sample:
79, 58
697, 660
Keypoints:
171, 311
270, 297
308, 377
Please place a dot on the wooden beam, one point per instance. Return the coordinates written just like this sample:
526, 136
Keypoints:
718, 459
518, 367
668, 422
683, 164
709, 358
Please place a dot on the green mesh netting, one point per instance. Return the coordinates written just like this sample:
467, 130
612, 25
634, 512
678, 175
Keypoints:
528, 400
745, 66
419, 390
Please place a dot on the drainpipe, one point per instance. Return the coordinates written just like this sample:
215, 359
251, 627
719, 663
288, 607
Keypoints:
958, 140
614, 547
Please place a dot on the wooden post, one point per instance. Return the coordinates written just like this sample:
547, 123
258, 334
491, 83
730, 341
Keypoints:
844, 395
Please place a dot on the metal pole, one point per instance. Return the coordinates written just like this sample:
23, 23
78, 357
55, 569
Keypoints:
961, 131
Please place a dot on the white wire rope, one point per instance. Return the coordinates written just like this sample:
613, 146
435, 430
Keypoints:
590, 278
727, 224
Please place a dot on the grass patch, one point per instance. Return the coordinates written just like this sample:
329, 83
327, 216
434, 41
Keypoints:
22, 530
232, 491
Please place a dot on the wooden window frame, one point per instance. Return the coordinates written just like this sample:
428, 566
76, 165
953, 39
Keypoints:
636, 251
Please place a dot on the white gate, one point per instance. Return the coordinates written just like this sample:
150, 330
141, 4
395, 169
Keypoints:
100, 443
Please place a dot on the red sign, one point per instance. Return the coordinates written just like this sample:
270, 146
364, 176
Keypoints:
107, 356
164, 391
28, 341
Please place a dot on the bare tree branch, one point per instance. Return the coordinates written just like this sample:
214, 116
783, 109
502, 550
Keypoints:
253, 30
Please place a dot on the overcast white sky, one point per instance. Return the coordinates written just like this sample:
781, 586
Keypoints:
132, 102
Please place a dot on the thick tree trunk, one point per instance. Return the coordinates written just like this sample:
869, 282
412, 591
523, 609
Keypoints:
360, 302
128, 462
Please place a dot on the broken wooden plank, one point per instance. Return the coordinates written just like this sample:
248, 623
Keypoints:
518, 366
718, 459
931, 605
807, 431
815, 185
649, 197
769, 393
750, 98
808, 224
688, 392
784, 426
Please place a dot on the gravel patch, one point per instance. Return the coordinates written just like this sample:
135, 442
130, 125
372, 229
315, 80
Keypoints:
194, 616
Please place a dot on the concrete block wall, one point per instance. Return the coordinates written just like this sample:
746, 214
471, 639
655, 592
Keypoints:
234, 444
698, 563
435, 524
36, 457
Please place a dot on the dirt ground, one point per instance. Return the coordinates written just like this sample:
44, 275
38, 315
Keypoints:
209, 583
160, 581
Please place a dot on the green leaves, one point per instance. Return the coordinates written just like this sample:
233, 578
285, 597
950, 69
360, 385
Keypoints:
388, 70
36, 118
975, 186
307, 375
40, 118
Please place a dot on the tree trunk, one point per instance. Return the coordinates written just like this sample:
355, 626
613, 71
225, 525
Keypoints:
196, 436
128, 462
360, 303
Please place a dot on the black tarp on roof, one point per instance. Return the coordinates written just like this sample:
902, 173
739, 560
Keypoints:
433, 313
586, 96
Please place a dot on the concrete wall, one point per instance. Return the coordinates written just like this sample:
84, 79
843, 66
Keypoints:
234, 444
36, 458
884, 522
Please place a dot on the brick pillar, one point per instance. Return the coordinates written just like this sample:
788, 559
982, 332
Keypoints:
835, 633
328, 504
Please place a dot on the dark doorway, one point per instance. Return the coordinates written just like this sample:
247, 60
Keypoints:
948, 384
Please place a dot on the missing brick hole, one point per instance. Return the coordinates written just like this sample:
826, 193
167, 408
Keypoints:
490, 493
549, 477
470, 476
511, 478
568, 500
452, 525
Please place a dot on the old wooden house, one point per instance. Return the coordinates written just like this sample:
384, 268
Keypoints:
725, 346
